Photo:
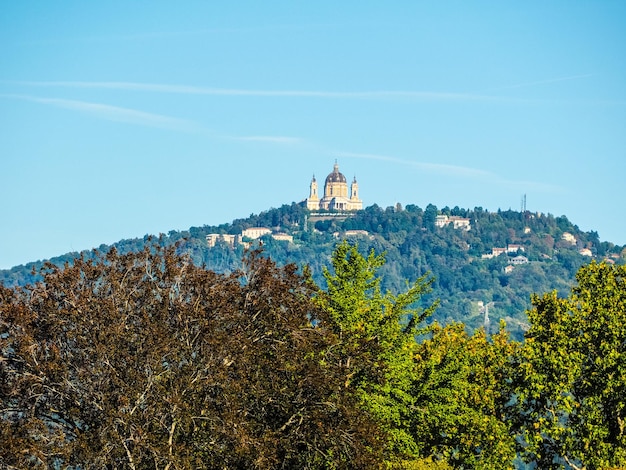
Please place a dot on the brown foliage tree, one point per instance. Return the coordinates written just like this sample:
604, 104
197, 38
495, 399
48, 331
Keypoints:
147, 361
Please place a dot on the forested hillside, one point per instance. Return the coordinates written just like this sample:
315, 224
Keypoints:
465, 282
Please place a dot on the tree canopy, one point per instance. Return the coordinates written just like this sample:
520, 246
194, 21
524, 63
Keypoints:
571, 381
144, 360
378, 338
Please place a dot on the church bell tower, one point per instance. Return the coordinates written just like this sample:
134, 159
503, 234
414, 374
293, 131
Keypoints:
313, 200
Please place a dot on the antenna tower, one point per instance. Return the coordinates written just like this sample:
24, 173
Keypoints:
487, 321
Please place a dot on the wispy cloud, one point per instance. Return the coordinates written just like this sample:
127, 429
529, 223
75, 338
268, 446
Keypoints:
444, 169
195, 90
133, 116
114, 113
467, 173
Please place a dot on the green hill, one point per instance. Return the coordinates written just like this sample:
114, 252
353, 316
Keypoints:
458, 247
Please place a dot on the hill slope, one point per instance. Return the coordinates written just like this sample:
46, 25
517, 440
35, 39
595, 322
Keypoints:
540, 253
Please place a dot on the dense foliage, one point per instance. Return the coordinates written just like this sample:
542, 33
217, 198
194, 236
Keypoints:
461, 387
144, 360
463, 281
571, 374
363, 317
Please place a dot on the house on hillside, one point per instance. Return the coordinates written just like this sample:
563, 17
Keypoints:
354, 234
519, 260
255, 232
460, 222
251, 233
282, 237
457, 222
569, 238
230, 240
441, 221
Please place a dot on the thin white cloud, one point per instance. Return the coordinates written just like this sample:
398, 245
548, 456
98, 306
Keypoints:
444, 169
194, 90
114, 113
467, 173
133, 116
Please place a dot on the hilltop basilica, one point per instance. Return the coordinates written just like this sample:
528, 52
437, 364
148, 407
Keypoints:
335, 194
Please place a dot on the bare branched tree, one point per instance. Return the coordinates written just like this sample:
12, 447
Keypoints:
147, 361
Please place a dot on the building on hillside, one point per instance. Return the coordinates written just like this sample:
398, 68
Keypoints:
336, 195
357, 233
441, 220
519, 260
255, 232
569, 238
280, 236
251, 233
497, 251
460, 222
456, 221
354, 234
230, 240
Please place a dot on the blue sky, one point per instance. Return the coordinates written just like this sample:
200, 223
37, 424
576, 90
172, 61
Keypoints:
120, 119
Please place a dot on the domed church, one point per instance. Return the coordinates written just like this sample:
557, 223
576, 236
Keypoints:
335, 194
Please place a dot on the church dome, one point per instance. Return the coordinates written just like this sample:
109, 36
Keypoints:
336, 176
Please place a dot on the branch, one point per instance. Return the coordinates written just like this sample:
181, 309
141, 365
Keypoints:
171, 439
575, 467
142, 396
131, 462
292, 419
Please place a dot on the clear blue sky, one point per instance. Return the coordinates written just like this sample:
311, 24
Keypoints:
120, 119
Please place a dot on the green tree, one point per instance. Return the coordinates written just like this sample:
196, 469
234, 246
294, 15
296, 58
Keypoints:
571, 386
377, 340
461, 394
430, 214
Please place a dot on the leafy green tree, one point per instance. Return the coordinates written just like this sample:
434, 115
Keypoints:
377, 339
460, 398
571, 386
430, 214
